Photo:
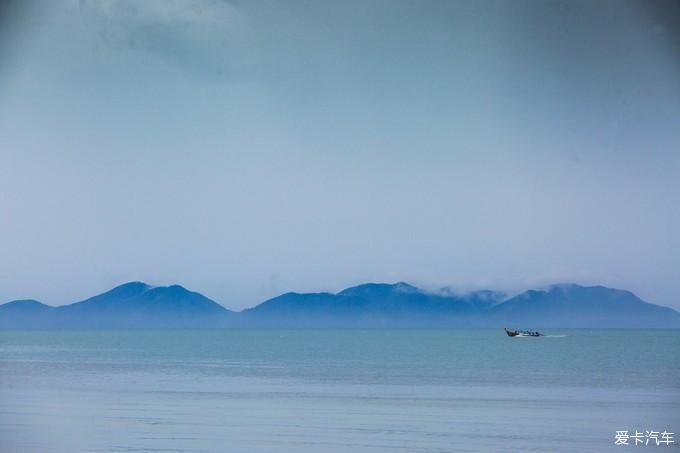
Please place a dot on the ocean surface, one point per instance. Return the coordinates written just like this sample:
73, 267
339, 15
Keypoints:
335, 390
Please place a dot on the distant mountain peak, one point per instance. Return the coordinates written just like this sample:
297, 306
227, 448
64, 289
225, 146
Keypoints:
405, 287
377, 289
172, 292
573, 289
132, 285
24, 304
173, 289
128, 289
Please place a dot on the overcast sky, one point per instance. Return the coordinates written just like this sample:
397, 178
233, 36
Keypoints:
244, 149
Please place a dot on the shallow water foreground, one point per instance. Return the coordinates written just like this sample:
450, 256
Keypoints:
335, 390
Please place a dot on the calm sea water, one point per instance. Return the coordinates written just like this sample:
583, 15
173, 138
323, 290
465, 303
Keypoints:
335, 390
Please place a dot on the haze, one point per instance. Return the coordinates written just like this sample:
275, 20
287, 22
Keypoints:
248, 149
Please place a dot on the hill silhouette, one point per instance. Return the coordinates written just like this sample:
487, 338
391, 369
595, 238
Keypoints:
370, 305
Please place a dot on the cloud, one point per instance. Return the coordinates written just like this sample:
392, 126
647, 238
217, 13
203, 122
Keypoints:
202, 36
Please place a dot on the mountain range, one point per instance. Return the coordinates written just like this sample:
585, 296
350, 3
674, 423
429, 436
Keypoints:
371, 305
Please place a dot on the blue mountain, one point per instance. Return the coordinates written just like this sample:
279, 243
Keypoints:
25, 313
571, 305
27, 306
132, 305
368, 305
138, 305
403, 305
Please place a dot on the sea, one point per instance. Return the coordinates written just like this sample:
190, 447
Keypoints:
339, 391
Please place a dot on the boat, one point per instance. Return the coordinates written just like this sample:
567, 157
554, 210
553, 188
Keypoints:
522, 333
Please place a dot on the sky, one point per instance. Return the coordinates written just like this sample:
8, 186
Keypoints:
245, 149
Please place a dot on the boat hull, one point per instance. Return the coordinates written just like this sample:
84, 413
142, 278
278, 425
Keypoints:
520, 333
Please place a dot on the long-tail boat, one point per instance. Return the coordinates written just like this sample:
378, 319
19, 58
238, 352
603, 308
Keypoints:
522, 333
